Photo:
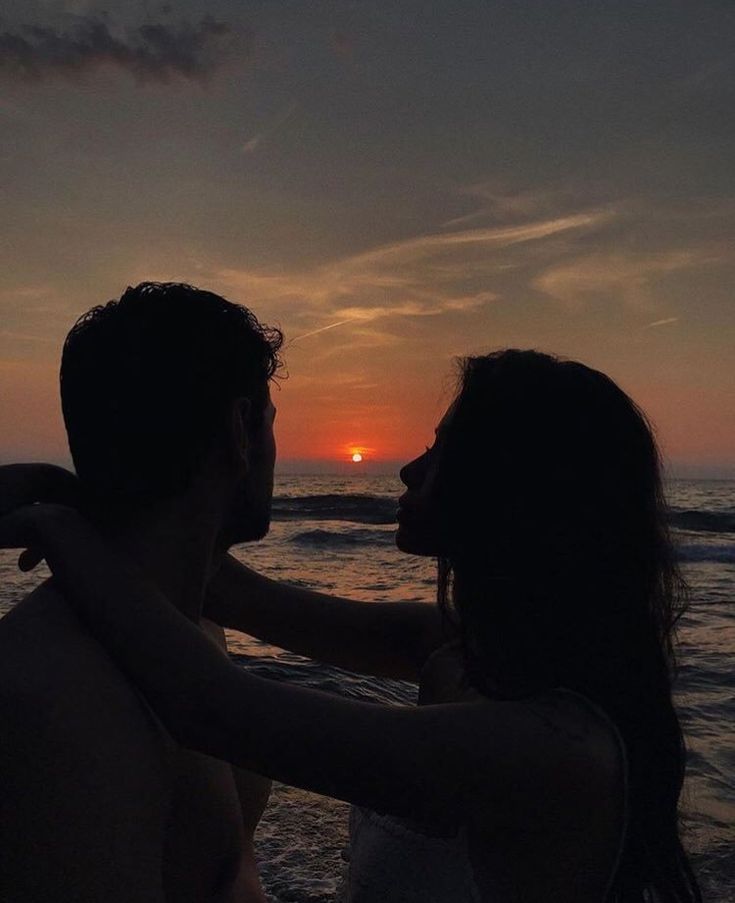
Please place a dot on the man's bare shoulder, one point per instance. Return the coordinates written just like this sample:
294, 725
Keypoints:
49, 659
42, 625
85, 767
54, 675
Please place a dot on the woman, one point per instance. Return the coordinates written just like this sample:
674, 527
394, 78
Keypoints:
545, 759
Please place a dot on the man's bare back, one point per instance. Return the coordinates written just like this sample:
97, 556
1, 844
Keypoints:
96, 800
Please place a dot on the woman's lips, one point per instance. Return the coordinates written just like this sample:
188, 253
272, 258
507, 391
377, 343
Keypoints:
404, 508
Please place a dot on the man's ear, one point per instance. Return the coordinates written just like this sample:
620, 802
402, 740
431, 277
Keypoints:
240, 431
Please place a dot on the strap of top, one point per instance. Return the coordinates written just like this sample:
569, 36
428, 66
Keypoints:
601, 713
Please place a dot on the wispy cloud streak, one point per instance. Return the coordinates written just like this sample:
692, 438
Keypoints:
424, 276
392, 267
254, 143
306, 335
631, 277
152, 52
499, 237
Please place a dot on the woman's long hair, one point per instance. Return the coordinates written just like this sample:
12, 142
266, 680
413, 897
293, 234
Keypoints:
559, 572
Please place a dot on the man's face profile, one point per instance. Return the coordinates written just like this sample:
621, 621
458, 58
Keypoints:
248, 517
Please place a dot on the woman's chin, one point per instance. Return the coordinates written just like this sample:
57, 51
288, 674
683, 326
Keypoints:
412, 543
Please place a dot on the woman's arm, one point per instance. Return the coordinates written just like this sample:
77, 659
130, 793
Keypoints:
388, 639
496, 762
24, 484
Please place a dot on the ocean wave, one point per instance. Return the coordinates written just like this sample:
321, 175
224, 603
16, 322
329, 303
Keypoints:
375, 509
360, 509
723, 553
337, 539
698, 521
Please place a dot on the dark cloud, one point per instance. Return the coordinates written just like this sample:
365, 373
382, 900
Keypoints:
150, 52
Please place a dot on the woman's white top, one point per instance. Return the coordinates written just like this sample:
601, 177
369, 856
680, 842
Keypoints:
395, 860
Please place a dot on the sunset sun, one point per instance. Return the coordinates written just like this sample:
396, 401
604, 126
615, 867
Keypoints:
357, 453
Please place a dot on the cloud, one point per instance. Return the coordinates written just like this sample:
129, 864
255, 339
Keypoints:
666, 322
152, 52
501, 204
307, 335
426, 276
498, 202
254, 143
629, 276
426, 245
409, 309
400, 267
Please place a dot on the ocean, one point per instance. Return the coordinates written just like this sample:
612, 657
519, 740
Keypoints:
335, 534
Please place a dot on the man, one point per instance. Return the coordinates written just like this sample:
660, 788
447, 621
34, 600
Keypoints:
170, 424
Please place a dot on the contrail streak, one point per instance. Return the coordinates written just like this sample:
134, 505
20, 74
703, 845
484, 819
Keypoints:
322, 329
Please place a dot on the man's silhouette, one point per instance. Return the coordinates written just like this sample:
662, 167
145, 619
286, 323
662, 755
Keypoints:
167, 407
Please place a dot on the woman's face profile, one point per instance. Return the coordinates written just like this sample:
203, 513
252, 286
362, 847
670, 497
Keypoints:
419, 518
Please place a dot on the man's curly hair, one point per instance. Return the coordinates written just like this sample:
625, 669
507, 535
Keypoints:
147, 382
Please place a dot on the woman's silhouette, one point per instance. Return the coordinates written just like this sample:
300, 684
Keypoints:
545, 759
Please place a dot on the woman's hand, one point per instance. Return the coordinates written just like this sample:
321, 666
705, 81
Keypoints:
24, 485
40, 529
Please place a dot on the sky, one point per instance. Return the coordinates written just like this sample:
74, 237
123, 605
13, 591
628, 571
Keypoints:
395, 184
